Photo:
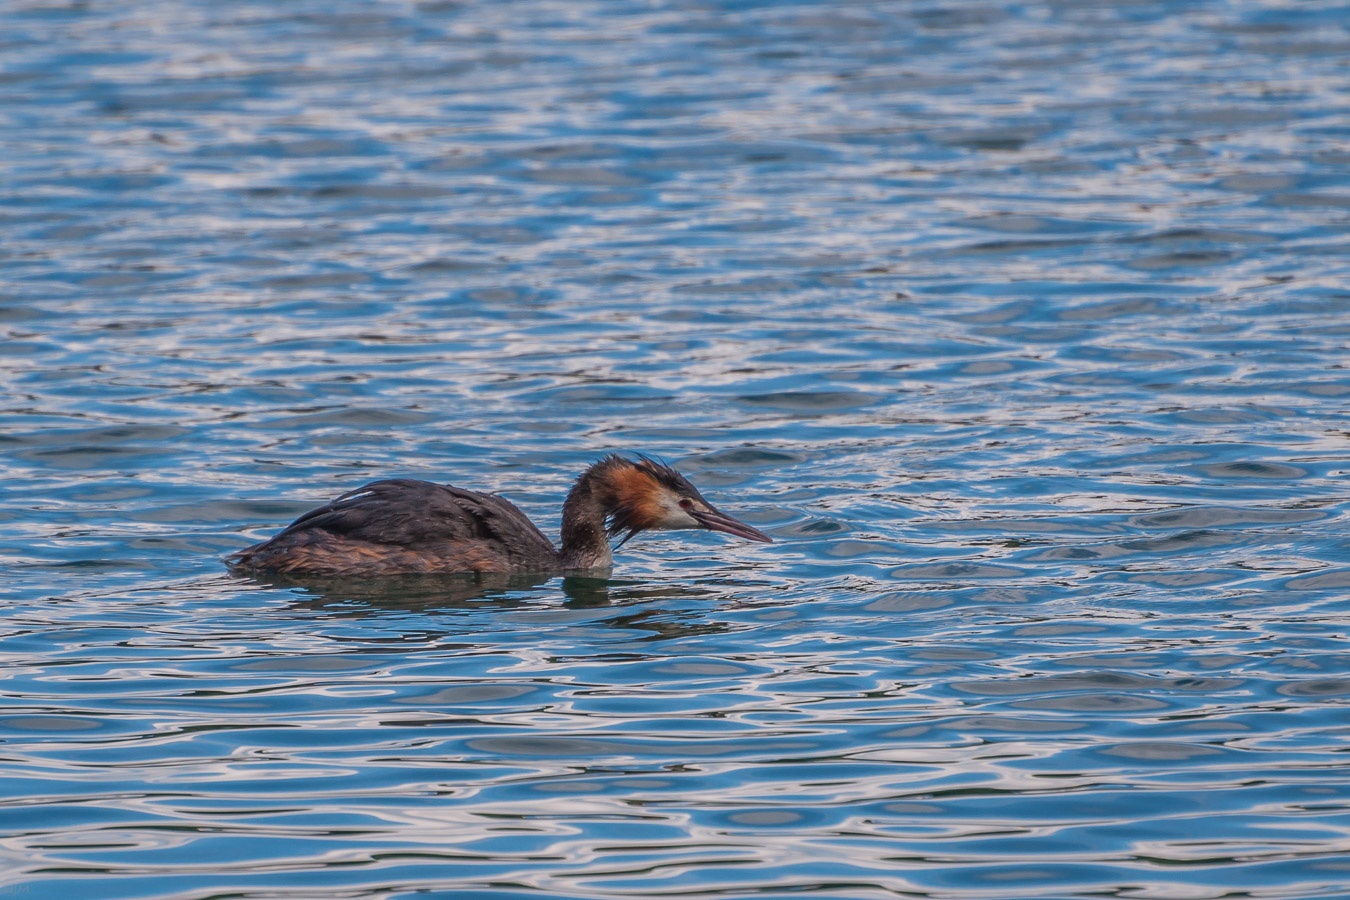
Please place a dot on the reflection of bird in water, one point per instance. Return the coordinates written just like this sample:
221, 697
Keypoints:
404, 527
442, 591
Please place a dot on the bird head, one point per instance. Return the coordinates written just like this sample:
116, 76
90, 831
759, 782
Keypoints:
649, 495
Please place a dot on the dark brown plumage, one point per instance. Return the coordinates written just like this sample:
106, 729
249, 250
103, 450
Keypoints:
402, 526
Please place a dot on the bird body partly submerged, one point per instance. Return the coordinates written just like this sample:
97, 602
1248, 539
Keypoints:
402, 526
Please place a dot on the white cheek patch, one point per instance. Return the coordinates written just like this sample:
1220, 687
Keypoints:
673, 517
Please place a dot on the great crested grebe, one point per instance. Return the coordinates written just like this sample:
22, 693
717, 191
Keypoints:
406, 527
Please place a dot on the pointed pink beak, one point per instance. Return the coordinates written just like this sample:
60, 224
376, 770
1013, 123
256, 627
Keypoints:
716, 520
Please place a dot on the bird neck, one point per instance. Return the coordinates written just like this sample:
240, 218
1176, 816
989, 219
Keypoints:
585, 542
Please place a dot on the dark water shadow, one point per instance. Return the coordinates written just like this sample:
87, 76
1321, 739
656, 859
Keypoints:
435, 594
428, 593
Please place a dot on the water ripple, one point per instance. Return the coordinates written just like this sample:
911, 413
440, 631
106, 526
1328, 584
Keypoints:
1021, 328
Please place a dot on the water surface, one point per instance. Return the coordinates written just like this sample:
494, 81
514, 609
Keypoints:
1022, 328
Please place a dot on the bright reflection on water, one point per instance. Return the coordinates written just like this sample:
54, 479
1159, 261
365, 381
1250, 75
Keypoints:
1023, 329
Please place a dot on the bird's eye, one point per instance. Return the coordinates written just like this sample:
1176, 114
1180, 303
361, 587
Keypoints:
686, 503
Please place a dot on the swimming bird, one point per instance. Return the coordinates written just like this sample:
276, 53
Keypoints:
405, 527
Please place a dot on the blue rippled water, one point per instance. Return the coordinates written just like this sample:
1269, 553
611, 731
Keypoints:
1022, 327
